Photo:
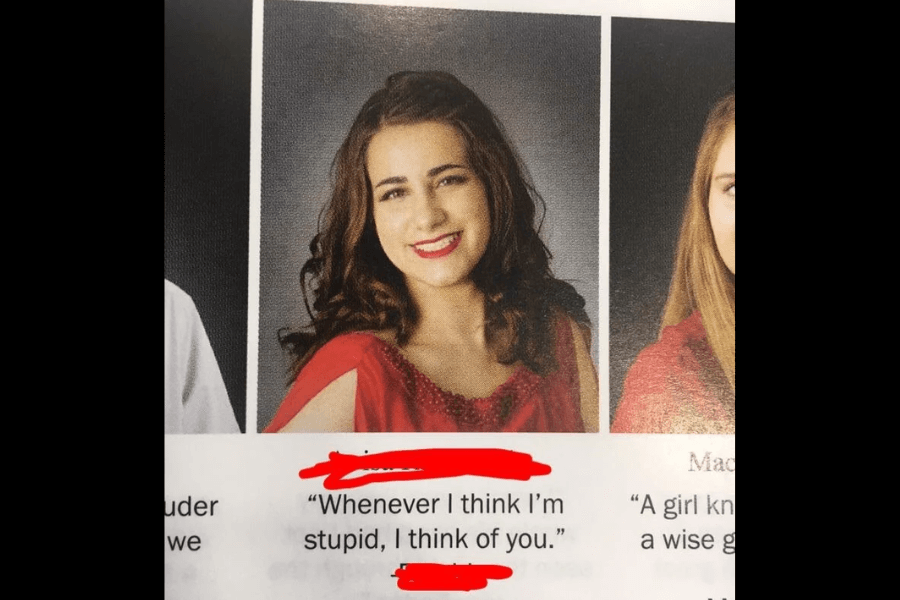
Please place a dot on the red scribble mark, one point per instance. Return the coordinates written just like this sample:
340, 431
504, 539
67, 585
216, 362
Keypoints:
456, 578
434, 463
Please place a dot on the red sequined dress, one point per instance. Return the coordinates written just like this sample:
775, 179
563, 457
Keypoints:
392, 395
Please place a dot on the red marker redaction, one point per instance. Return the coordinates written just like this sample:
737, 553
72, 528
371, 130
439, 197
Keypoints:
433, 463
438, 577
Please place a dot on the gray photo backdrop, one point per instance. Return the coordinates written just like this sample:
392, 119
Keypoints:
540, 74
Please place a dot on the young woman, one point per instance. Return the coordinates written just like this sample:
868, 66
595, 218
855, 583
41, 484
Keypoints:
433, 304
684, 383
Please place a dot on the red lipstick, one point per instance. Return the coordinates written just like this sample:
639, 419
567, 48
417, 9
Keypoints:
442, 250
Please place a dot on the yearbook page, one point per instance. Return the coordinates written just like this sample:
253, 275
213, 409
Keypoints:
449, 300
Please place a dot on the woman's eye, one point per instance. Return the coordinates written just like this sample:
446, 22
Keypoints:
452, 180
730, 190
393, 194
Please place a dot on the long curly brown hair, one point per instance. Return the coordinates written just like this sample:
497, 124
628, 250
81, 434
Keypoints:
353, 286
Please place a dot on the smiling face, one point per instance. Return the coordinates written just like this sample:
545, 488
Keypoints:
430, 208
721, 201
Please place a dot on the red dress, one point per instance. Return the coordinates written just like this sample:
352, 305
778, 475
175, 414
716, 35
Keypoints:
392, 395
676, 386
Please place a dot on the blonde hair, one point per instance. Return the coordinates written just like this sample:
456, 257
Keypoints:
701, 280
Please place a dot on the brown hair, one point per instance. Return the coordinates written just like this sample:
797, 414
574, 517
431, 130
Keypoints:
353, 285
701, 280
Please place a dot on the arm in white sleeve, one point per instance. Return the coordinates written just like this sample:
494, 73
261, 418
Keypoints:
196, 398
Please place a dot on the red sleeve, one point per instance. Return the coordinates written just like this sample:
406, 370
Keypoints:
338, 357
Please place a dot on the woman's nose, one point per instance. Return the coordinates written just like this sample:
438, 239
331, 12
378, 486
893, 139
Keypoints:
430, 212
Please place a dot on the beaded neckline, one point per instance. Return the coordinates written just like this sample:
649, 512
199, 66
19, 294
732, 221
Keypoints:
522, 380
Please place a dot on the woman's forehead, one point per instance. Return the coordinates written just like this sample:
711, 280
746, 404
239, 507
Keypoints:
409, 149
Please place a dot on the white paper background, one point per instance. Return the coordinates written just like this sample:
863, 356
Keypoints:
253, 546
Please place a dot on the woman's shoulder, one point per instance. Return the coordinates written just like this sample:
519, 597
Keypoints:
656, 362
667, 380
573, 354
352, 342
365, 351
347, 351
343, 366
675, 343
683, 333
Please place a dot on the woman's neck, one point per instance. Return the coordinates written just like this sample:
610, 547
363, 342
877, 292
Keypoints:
452, 314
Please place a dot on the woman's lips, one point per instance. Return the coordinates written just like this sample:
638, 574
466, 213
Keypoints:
438, 247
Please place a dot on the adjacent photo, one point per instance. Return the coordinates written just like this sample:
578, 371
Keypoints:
429, 220
206, 218
672, 227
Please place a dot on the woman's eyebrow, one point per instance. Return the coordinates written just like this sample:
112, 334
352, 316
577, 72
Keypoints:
442, 168
724, 176
395, 179
431, 173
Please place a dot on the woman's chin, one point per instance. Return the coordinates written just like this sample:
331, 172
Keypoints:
438, 281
